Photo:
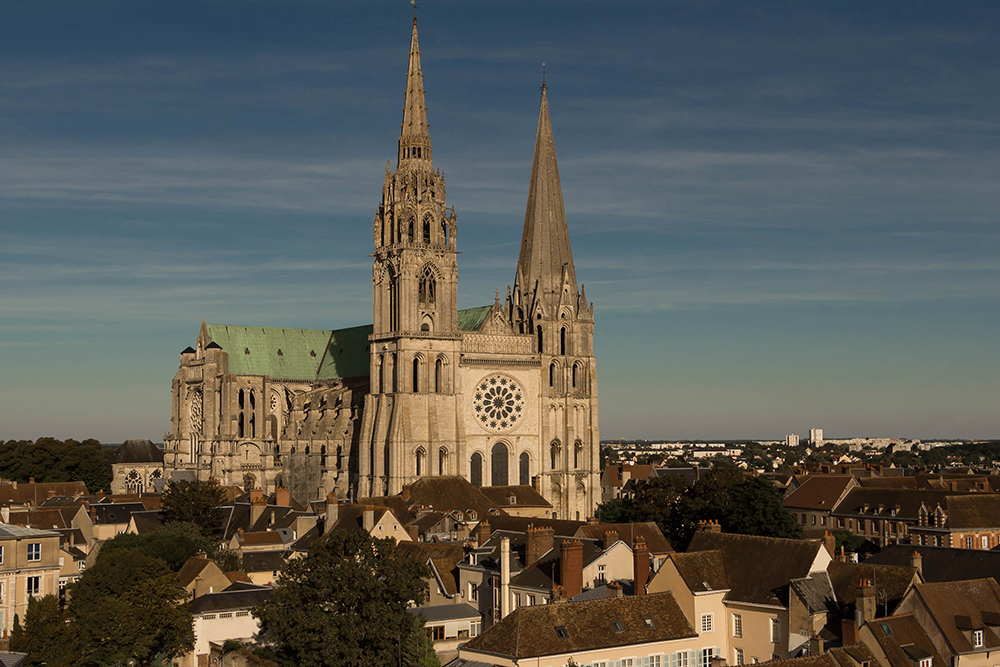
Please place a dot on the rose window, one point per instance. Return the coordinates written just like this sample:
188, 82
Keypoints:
498, 402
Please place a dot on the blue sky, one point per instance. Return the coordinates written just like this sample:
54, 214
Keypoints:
785, 213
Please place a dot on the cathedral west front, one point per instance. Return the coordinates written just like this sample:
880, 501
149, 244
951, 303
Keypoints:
502, 394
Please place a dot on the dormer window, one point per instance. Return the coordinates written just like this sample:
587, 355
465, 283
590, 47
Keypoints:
925, 662
977, 639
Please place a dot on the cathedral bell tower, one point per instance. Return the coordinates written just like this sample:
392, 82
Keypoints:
415, 335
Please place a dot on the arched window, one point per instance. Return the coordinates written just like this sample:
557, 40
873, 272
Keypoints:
393, 300
239, 424
444, 232
443, 461
524, 469
427, 230
539, 332
242, 399
395, 373
554, 453
420, 462
416, 374
562, 341
253, 398
577, 448
411, 230
552, 375
381, 373
428, 286
253, 424
574, 375
476, 469
499, 465
438, 376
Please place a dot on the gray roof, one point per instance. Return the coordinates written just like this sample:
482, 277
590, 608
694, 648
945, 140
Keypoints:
17, 532
230, 600
262, 561
816, 592
446, 612
12, 659
137, 451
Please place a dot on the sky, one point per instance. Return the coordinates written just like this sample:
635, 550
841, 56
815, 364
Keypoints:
785, 213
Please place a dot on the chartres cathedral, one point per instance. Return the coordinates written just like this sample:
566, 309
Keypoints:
501, 394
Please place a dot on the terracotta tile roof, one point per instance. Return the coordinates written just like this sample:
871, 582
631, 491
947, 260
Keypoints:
444, 557
191, 569
613, 474
38, 492
48, 519
902, 639
819, 492
656, 542
881, 502
702, 570
449, 494
532, 631
742, 556
847, 656
523, 495
394, 503
891, 582
971, 598
239, 576
253, 539
981, 510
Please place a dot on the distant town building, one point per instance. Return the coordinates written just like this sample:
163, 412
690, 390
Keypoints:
816, 436
136, 466
791, 440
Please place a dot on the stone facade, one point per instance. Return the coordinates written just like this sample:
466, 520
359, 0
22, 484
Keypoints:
502, 394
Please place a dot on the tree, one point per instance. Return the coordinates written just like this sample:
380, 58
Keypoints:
45, 636
667, 501
194, 502
345, 604
51, 460
615, 510
743, 504
128, 607
174, 544
853, 543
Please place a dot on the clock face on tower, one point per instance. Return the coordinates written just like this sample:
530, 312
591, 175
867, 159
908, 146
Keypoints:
498, 402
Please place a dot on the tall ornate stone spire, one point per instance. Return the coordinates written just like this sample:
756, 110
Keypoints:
414, 136
545, 264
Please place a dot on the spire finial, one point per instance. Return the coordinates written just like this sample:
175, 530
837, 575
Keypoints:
543, 74
414, 3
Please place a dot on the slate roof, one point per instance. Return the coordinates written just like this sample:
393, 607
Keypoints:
264, 561
742, 555
259, 538
105, 513
547, 571
147, 522
9, 531
314, 354
656, 541
447, 612
819, 492
531, 631
891, 582
137, 451
561, 527
231, 600
902, 639
948, 601
816, 592
9, 659
942, 563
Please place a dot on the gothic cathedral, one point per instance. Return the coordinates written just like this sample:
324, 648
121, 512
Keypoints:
501, 395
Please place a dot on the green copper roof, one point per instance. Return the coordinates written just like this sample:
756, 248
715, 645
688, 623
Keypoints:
471, 319
302, 354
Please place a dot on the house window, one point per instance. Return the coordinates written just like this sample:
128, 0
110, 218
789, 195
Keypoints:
435, 634
601, 573
474, 628
977, 638
707, 623
34, 551
925, 662
814, 519
1, 554
968, 543
822, 520
531, 600
561, 632
738, 626
706, 656
775, 631
986, 541
738, 657
35, 586
680, 659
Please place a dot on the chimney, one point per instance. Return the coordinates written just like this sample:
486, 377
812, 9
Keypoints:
282, 498
864, 605
368, 518
256, 494
332, 512
709, 526
816, 645
849, 631
413, 530
540, 542
614, 590
592, 521
640, 566
830, 541
917, 562
482, 532
571, 568
536, 484
504, 577
257, 507
842, 556
610, 537
405, 493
